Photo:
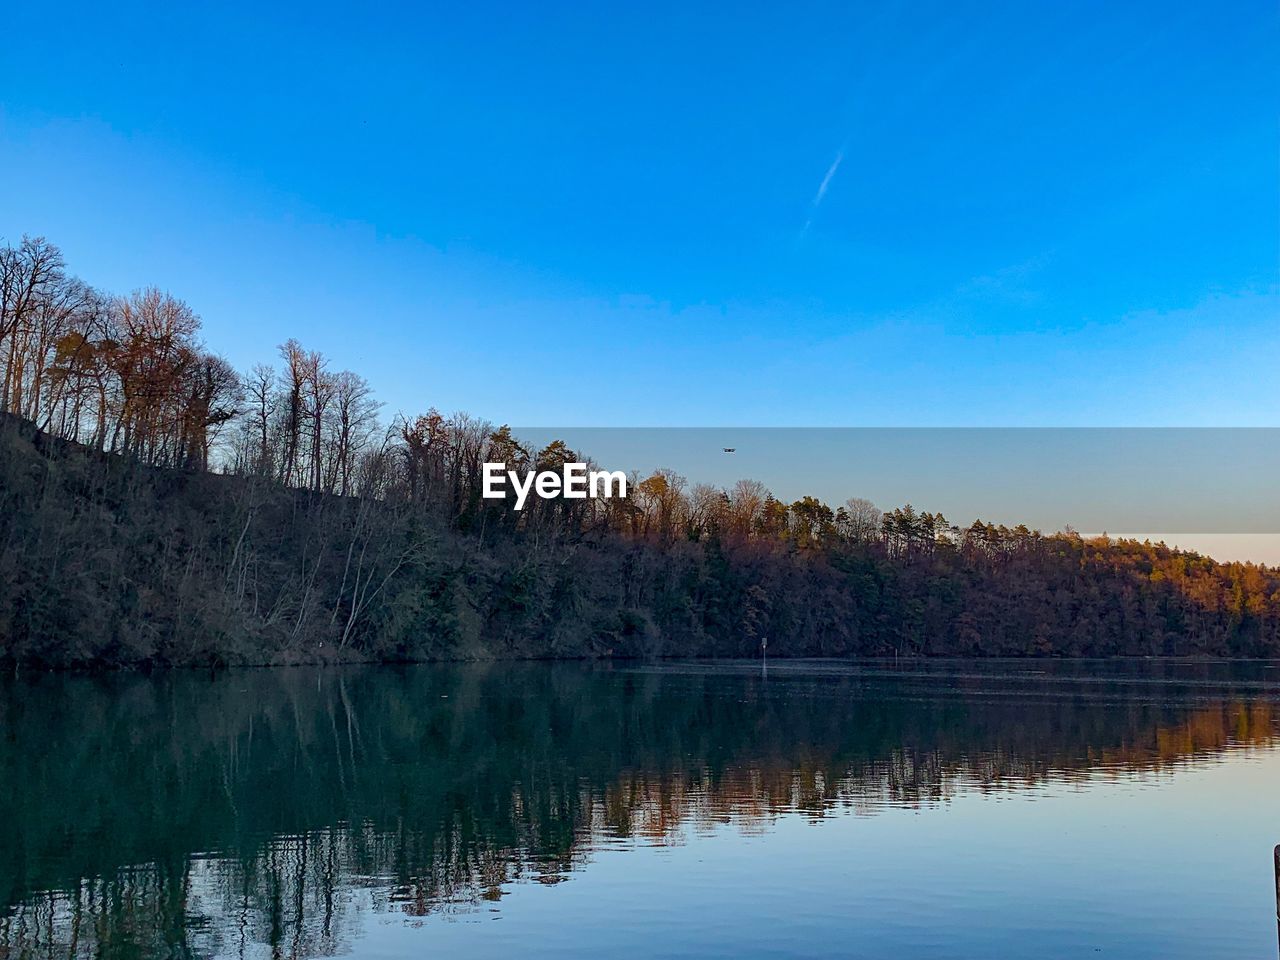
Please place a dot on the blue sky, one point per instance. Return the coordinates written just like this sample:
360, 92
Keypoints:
801, 214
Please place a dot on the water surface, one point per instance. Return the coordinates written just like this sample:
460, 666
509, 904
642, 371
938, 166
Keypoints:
679, 810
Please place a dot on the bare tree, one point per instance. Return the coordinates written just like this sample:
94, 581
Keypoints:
355, 422
862, 520
293, 383
319, 386
212, 398
155, 351
28, 275
746, 506
261, 402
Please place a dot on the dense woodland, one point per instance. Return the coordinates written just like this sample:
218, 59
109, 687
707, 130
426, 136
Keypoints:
159, 507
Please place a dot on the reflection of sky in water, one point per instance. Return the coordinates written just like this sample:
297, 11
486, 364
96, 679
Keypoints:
819, 808
1175, 864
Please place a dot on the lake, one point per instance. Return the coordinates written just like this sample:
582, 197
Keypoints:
806, 809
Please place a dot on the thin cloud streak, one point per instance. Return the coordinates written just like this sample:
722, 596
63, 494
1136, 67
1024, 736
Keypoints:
826, 181
822, 189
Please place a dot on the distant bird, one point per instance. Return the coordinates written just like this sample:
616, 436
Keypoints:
729, 449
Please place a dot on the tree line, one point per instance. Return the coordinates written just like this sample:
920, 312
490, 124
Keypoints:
161, 507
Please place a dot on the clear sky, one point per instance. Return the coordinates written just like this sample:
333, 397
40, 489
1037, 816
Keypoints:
658, 214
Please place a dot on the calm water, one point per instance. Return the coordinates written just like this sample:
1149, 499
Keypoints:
823, 809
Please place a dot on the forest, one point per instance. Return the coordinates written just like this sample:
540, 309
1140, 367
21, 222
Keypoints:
160, 508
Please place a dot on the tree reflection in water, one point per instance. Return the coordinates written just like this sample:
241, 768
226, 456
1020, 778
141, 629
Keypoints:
268, 810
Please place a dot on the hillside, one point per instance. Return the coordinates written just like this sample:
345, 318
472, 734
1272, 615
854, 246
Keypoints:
105, 561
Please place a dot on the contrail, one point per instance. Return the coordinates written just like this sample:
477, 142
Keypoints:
826, 180
822, 189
